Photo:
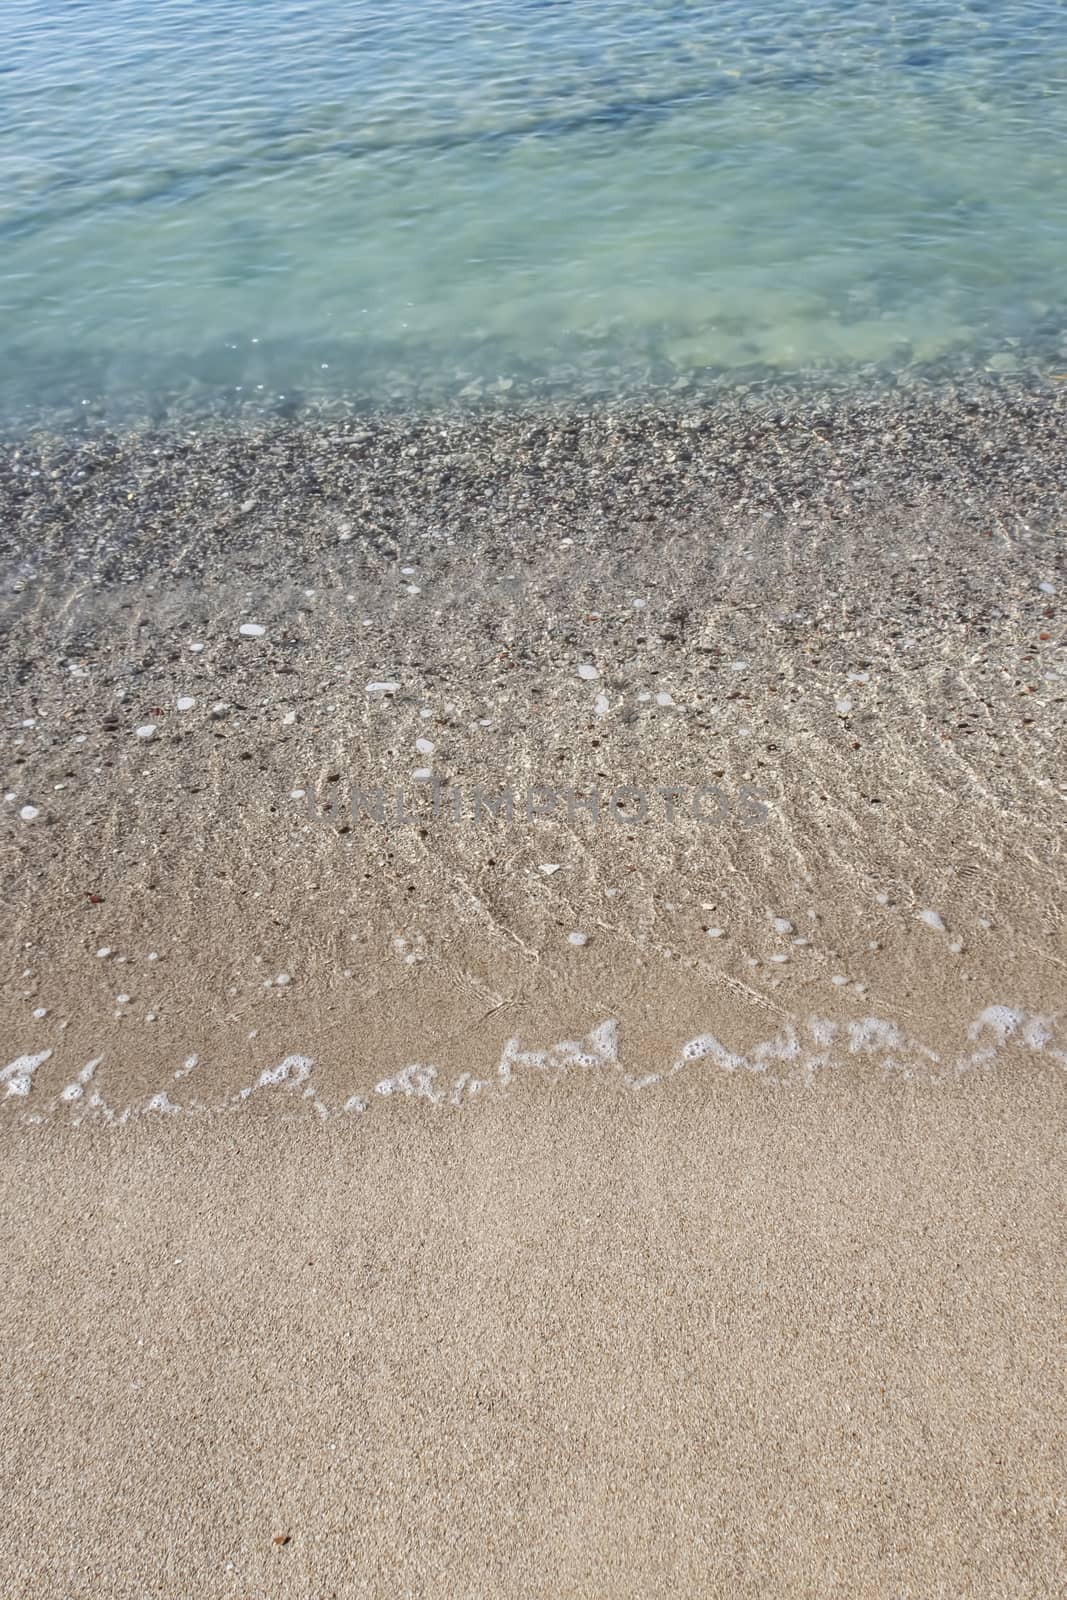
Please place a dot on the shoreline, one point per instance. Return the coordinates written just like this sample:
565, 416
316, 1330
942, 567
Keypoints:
796, 1057
130, 402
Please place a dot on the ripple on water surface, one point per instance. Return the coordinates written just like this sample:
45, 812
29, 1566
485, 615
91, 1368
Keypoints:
365, 196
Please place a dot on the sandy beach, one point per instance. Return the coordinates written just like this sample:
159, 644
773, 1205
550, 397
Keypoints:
737, 1342
533, 1027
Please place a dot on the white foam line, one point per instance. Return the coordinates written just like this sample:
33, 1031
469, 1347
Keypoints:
797, 1053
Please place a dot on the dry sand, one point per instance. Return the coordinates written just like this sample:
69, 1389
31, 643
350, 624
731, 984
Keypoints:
731, 1342
349, 1199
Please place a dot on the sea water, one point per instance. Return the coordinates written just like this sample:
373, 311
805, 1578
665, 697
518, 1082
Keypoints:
283, 198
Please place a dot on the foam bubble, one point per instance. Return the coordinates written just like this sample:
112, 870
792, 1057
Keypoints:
1001, 1021
417, 1082
795, 1054
162, 1102
75, 1090
18, 1074
294, 1069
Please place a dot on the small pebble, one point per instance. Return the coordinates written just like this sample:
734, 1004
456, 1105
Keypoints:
29, 813
577, 938
588, 672
252, 630
185, 702
147, 730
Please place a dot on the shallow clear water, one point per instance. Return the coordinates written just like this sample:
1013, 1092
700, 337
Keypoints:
372, 195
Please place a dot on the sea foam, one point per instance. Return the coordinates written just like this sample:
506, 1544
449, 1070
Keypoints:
798, 1053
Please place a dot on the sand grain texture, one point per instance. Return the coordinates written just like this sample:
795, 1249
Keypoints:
737, 1342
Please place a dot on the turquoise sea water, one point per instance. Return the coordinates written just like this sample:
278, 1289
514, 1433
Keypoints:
273, 197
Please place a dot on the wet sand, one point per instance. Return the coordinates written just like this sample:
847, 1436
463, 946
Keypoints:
654, 1189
